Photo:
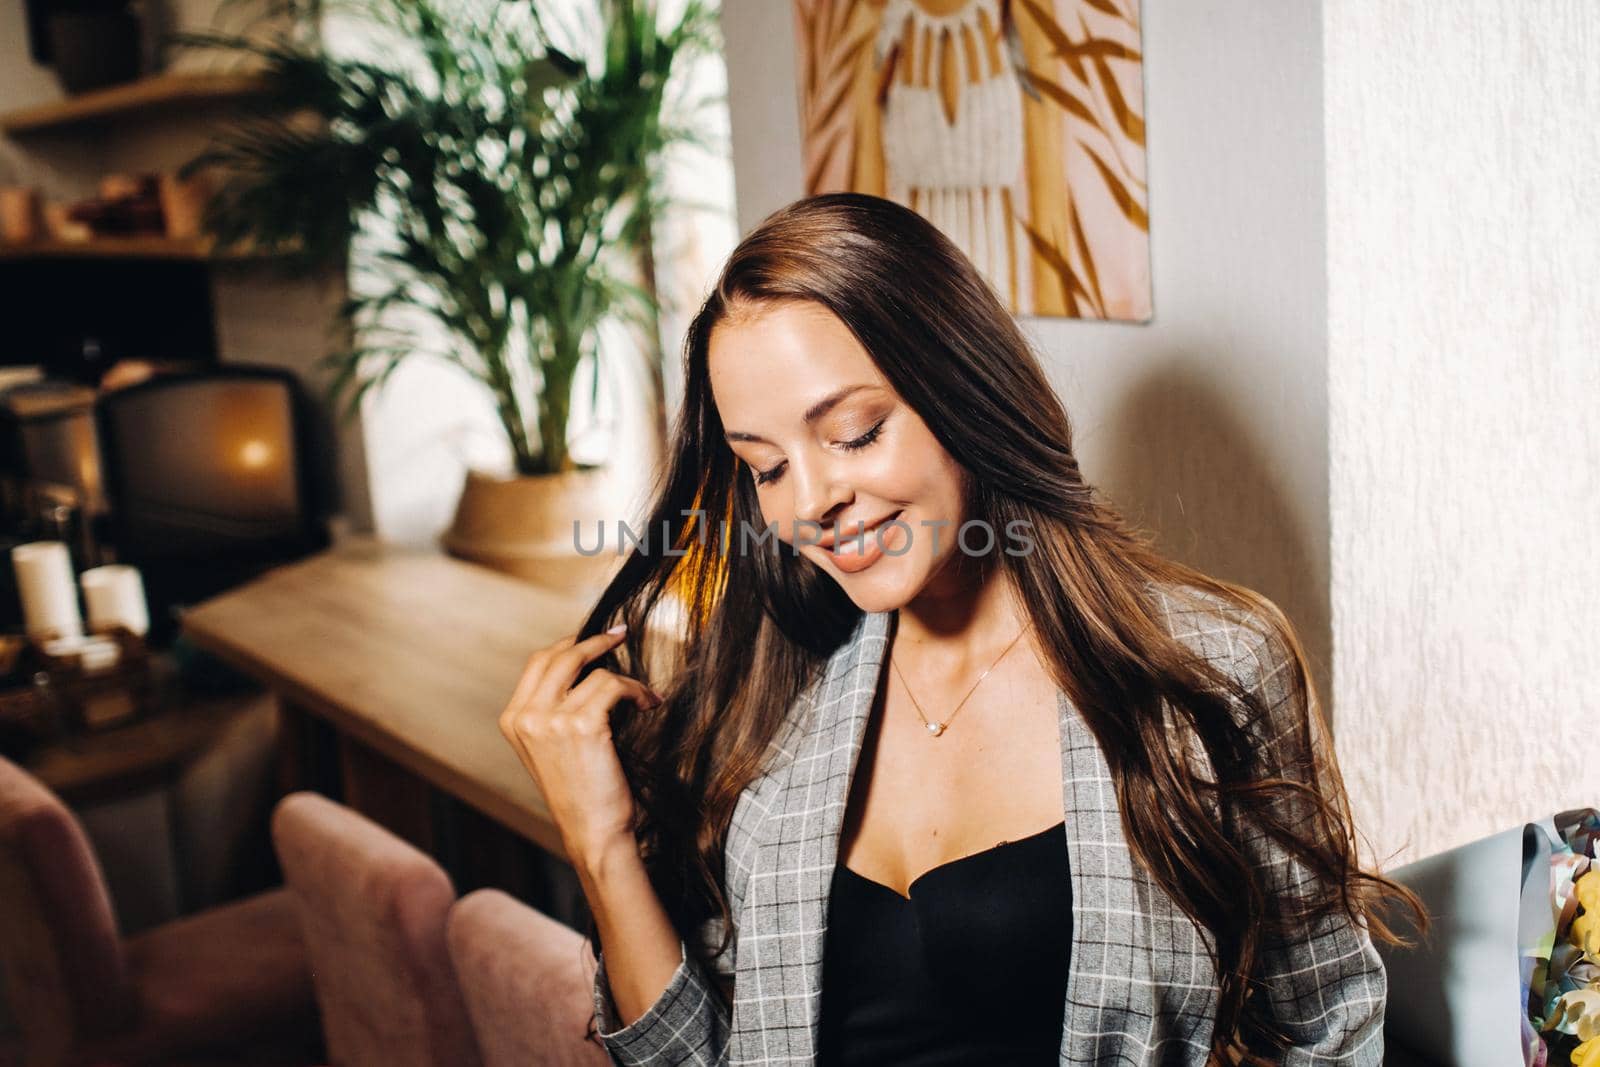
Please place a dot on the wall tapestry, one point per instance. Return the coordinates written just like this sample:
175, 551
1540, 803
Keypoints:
1016, 126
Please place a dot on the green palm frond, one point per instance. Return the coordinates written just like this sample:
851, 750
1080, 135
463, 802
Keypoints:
491, 172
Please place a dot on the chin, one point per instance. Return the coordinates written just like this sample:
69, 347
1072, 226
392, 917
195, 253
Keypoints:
874, 604
875, 589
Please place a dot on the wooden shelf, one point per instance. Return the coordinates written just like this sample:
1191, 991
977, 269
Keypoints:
148, 247
157, 93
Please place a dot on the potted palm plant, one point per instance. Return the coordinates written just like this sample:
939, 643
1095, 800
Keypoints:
488, 173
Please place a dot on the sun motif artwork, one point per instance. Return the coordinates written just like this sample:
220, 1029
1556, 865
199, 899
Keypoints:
1015, 126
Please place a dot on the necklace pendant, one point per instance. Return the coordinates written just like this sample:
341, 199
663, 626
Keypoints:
936, 728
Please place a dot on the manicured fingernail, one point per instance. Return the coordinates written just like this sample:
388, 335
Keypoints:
619, 628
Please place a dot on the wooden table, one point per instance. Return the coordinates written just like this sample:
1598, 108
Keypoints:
410, 656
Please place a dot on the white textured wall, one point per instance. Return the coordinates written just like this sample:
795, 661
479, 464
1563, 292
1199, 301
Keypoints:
1210, 423
1464, 336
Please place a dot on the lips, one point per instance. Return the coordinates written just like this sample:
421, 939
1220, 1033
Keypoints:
852, 532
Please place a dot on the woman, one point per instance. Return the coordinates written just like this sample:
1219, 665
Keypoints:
995, 784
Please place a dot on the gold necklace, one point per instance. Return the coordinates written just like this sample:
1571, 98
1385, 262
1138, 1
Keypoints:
937, 728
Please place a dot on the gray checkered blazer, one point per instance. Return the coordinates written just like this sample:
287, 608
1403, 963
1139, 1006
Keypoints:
1140, 988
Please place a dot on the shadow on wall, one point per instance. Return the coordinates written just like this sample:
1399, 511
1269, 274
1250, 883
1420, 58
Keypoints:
1179, 459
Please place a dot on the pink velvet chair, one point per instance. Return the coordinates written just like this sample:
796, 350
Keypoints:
373, 909
527, 980
227, 985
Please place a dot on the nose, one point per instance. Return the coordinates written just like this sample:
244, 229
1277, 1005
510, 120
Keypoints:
818, 493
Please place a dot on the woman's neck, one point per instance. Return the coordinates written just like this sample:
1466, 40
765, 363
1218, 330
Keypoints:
958, 624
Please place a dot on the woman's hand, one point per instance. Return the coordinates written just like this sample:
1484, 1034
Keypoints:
562, 734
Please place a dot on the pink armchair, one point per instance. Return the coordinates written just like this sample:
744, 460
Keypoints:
528, 983
227, 985
373, 909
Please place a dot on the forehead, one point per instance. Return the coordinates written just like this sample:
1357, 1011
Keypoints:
770, 364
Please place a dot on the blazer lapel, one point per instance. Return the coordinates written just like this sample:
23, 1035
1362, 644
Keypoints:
779, 988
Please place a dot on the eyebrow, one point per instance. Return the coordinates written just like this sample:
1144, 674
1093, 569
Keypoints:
813, 413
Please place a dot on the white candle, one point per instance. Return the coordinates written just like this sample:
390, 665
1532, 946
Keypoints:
115, 595
98, 653
49, 596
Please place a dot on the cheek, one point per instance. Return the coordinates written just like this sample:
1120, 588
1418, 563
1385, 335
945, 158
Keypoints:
924, 472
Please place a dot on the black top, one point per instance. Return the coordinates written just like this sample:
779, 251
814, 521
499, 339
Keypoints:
971, 968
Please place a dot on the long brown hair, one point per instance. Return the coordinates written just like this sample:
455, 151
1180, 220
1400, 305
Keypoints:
759, 622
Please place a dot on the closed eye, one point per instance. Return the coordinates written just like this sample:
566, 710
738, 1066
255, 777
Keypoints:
768, 477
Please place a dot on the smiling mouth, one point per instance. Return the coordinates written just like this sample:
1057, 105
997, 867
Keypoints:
855, 537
